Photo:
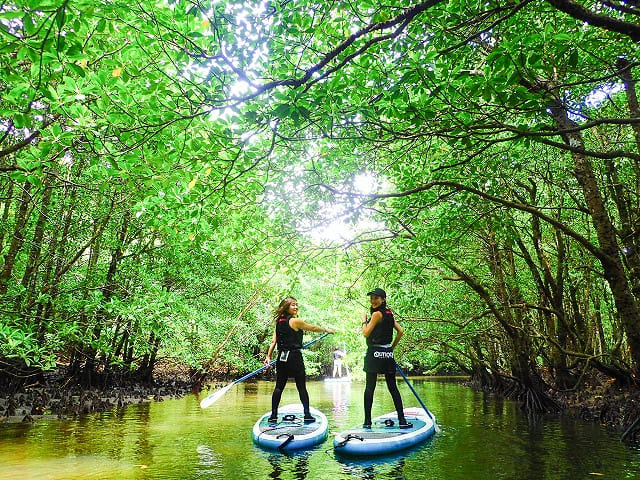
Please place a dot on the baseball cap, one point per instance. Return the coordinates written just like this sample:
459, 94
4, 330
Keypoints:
378, 292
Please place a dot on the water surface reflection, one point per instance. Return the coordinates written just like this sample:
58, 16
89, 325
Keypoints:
481, 438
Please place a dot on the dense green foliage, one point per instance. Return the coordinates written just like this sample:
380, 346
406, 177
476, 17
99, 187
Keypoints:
170, 170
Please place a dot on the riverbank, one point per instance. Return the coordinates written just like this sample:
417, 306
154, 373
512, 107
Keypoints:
609, 405
58, 397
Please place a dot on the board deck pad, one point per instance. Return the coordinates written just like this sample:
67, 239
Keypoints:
385, 435
381, 430
294, 427
290, 432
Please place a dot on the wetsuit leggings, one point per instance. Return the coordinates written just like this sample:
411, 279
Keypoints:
281, 382
370, 387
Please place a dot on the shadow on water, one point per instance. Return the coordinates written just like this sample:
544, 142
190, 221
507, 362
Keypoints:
391, 466
372, 471
296, 463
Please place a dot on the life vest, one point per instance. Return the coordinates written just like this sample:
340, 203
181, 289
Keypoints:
382, 334
286, 337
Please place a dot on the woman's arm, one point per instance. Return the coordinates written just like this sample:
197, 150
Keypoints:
399, 334
367, 328
267, 360
299, 324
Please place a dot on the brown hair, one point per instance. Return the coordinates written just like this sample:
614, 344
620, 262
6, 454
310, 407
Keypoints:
283, 309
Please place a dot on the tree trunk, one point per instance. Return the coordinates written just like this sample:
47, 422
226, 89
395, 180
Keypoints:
108, 291
525, 385
58, 250
29, 277
145, 372
612, 265
17, 240
5, 213
550, 287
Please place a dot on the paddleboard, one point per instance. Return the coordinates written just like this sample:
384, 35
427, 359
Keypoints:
290, 432
385, 436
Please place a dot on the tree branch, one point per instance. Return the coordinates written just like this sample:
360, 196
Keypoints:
577, 11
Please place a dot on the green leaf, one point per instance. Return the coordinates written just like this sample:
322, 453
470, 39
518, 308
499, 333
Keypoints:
573, 58
34, 180
18, 176
563, 38
61, 43
75, 51
29, 25
77, 69
283, 110
60, 17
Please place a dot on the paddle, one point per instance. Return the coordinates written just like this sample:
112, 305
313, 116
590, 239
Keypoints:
215, 396
435, 425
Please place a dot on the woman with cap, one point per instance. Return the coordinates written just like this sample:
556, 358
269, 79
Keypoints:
378, 330
288, 336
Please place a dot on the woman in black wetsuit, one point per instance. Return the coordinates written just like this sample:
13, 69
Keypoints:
378, 331
288, 336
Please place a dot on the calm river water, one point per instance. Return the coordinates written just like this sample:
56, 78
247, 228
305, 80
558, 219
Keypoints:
481, 438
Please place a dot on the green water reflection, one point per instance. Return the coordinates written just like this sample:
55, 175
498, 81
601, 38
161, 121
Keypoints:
482, 438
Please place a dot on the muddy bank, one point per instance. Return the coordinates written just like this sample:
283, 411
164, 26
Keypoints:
58, 397
614, 407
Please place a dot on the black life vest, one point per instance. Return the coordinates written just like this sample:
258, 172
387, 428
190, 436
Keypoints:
286, 337
382, 334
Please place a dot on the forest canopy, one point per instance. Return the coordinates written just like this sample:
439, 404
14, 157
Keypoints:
170, 170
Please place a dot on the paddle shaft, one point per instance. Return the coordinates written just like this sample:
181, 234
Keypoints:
415, 393
211, 399
273, 362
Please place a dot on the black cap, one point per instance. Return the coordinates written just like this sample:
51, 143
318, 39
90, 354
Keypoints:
378, 292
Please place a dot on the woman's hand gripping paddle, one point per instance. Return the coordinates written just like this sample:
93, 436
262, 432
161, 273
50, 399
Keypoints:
215, 396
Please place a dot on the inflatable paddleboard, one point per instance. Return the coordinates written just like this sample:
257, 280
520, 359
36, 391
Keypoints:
385, 436
290, 432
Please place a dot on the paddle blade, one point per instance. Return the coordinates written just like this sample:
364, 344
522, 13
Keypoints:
214, 397
435, 422
436, 427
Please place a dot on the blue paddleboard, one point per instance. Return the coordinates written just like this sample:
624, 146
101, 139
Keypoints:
385, 435
290, 432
